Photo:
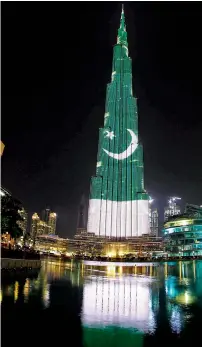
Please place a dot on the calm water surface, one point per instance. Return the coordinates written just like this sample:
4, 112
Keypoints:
110, 304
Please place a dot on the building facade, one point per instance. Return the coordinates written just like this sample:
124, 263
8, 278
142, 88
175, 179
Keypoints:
183, 233
52, 223
118, 205
154, 221
34, 226
52, 244
172, 209
45, 215
23, 223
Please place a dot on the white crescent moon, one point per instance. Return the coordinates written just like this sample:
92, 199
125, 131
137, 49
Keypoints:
128, 152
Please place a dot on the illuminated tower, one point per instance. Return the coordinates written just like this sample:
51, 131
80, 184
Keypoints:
34, 227
118, 205
172, 209
52, 222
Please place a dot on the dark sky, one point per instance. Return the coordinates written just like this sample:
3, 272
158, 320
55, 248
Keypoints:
56, 62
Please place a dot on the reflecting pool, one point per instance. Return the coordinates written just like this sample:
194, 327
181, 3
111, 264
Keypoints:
103, 304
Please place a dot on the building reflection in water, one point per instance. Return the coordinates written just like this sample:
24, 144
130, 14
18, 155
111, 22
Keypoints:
123, 301
151, 299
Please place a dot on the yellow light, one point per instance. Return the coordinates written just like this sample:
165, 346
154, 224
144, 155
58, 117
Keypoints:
178, 223
120, 270
1, 296
16, 291
111, 270
185, 299
26, 290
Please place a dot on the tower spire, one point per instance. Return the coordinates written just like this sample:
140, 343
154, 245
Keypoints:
122, 34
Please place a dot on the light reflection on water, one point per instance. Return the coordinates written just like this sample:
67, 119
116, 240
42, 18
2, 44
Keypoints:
144, 298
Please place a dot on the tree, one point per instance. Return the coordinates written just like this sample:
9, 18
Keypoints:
10, 216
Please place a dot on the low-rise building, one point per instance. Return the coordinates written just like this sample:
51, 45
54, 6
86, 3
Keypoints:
52, 244
183, 233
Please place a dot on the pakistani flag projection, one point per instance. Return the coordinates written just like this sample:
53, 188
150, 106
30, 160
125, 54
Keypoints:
118, 205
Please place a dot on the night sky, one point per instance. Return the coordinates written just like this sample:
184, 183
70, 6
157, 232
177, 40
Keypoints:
56, 62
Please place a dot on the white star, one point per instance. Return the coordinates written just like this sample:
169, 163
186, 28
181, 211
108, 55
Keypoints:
110, 134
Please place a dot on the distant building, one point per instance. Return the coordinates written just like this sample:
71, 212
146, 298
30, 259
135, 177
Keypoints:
35, 226
172, 209
52, 223
154, 222
52, 244
42, 228
153, 219
23, 223
45, 215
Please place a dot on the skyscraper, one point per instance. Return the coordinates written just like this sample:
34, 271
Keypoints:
45, 215
34, 226
154, 222
52, 222
118, 205
172, 209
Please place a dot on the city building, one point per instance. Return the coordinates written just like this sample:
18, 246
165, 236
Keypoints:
154, 222
52, 244
183, 233
23, 223
52, 223
89, 244
42, 228
34, 227
45, 215
172, 209
153, 219
118, 206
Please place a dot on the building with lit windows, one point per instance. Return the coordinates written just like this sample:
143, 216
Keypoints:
118, 206
34, 226
183, 233
172, 209
51, 244
89, 244
153, 219
154, 222
23, 223
52, 223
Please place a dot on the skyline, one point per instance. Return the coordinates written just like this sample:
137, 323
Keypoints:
53, 135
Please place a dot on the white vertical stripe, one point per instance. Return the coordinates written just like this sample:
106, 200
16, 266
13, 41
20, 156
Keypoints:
116, 219
109, 217
123, 218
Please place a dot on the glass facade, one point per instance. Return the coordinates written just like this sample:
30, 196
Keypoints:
183, 237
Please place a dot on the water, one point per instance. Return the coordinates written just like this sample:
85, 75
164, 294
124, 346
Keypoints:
103, 304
